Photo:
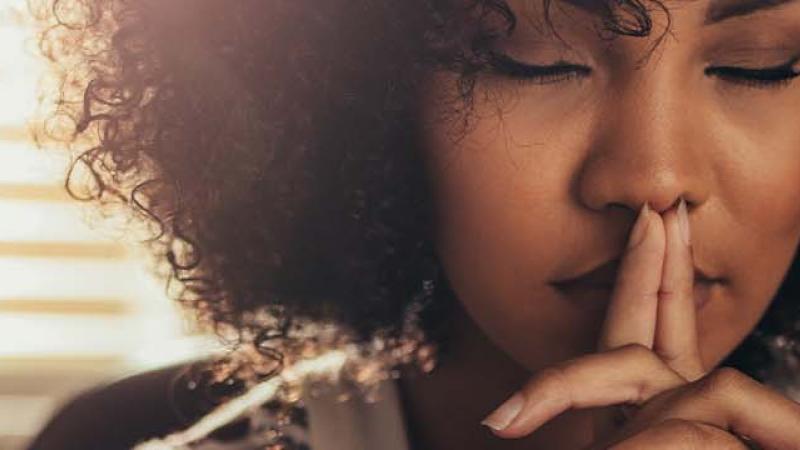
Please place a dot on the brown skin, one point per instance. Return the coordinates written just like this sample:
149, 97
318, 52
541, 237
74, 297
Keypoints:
548, 182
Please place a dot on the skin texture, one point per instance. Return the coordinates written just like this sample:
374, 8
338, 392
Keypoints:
562, 170
649, 361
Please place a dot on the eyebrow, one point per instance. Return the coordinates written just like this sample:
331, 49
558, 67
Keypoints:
720, 10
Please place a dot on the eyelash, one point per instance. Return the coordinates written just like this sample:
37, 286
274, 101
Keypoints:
765, 78
561, 71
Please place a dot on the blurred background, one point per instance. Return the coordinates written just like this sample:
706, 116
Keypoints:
77, 307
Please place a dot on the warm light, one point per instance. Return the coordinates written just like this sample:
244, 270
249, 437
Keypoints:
77, 306
20, 67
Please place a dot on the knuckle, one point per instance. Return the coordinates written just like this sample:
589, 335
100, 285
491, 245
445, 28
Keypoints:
648, 362
637, 351
668, 356
669, 293
647, 295
666, 294
556, 379
644, 356
722, 380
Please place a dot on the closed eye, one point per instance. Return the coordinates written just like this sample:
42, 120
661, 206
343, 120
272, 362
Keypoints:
528, 73
766, 77
561, 71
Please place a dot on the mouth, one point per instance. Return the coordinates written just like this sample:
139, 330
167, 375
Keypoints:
602, 278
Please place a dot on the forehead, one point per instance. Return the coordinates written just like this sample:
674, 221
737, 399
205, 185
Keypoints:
713, 11
744, 26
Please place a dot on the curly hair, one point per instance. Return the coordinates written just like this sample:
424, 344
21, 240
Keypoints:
273, 146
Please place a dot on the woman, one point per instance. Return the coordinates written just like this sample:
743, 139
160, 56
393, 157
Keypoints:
579, 210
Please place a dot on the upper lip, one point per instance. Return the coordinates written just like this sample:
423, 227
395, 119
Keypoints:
606, 273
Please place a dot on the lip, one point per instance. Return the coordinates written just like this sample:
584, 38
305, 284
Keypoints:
599, 294
601, 280
606, 275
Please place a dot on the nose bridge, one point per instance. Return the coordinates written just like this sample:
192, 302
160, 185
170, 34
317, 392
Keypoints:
642, 150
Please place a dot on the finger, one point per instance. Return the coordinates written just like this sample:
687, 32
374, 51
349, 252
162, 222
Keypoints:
676, 328
631, 315
632, 311
629, 374
672, 434
731, 401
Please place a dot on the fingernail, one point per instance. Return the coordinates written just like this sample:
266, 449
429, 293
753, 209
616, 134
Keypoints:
505, 414
640, 227
683, 222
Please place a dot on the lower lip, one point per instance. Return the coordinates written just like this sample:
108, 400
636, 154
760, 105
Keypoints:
581, 292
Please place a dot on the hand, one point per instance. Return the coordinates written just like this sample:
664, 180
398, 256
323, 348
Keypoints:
648, 366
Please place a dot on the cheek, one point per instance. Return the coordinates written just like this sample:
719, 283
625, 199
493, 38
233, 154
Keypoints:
501, 191
494, 201
759, 213
758, 152
759, 183
492, 218
500, 228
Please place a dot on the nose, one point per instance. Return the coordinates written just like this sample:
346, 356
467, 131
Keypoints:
649, 146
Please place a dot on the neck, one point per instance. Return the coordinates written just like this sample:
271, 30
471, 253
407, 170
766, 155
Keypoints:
474, 378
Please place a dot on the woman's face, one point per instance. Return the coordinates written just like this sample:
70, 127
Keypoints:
548, 178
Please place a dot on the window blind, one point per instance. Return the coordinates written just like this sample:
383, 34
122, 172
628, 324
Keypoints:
77, 307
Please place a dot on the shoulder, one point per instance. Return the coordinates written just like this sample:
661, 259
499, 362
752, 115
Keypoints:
118, 414
150, 405
154, 404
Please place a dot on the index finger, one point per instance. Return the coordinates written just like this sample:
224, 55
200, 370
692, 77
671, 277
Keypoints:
676, 339
631, 314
